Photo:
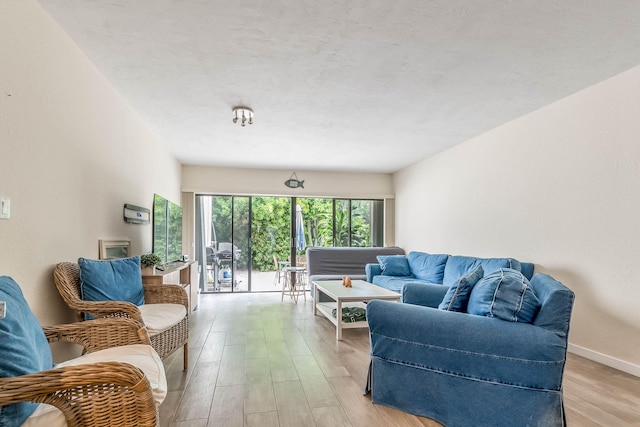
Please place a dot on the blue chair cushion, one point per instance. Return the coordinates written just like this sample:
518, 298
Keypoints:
394, 265
505, 294
23, 348
111, 280
457, 297
427, 267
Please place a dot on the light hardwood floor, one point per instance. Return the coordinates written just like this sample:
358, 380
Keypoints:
256, 361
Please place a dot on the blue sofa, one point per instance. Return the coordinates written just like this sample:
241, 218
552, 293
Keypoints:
434, 269
463, 369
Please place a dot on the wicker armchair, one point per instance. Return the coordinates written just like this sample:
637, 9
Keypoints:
67, 278
99, 394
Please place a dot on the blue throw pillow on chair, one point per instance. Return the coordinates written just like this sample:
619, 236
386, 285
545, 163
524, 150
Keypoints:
394, 265
505, 294
111, 280
457, 297
23, 348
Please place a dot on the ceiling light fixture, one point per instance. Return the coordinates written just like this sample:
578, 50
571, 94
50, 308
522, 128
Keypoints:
244, 114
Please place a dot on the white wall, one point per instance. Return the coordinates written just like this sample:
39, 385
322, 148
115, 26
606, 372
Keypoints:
216, 180
72, 153
270, 182
559, 187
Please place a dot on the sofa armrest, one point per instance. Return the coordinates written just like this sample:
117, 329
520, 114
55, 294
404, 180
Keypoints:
427, 295
372, 270
475, 347
88, 393
98, 334
109, 309
165, 294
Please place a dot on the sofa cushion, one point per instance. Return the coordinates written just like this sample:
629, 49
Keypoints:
505, 294
111, 280
393, 283
394, 265
458, 266
23, 347
141, 356
46, 415
428, 267
160, 317
457, 297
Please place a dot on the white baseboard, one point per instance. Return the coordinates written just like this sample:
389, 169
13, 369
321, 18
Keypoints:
607, 360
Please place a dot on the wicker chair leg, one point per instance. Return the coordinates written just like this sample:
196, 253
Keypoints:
186, 356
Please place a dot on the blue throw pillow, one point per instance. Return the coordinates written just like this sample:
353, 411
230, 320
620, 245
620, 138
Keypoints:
23, 348
394, 265
111, 280
457, 297
458, 266
505, 294
427, 267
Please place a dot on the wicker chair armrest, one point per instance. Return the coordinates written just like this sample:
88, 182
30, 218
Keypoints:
100, 309
99, 334
167, 294
99, 394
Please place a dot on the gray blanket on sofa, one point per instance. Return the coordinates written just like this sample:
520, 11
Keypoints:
334, 263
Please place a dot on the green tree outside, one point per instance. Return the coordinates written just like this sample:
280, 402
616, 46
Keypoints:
271, 229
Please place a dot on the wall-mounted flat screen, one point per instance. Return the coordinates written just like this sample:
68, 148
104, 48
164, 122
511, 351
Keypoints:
167, 229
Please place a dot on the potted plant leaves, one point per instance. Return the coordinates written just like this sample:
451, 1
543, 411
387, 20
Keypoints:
148, 263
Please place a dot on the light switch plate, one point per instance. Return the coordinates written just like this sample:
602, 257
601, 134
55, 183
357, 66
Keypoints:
5, 208
3, 309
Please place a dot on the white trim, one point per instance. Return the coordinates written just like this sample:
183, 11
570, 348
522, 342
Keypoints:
605, 359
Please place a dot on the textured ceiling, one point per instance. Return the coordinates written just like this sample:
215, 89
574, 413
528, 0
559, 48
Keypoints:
344, 85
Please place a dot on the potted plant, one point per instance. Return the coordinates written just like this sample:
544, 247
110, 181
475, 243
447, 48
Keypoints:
148, 263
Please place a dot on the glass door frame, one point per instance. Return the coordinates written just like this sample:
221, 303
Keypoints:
233, 234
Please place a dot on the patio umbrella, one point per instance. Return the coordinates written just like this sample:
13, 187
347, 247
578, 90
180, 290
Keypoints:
209, 232
214, 238
301, 242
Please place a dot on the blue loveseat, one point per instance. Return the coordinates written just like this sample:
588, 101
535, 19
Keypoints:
394, 271
465, 369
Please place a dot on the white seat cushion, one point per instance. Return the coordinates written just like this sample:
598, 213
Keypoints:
142, 356
160, 317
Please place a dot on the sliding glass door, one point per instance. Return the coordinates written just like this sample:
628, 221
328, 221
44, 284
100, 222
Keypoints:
227, 242
248, 244
246, 241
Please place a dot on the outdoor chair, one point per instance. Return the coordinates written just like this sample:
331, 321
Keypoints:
294, 283
165, 311
119, 380
301, 261
279, 265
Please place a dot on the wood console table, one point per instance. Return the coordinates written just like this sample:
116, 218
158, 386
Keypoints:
185, 274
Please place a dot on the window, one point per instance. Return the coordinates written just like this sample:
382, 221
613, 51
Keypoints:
343, 222
242, 238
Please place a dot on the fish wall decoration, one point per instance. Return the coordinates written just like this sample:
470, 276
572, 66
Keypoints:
294, 182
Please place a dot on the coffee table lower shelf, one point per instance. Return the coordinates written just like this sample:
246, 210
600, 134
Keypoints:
327, 308
357, 295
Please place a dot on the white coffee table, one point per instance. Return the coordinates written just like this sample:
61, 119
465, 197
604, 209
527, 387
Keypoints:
356, 296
